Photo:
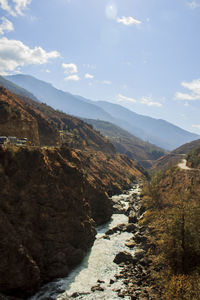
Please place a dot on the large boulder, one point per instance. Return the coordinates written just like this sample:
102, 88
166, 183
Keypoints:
123, 257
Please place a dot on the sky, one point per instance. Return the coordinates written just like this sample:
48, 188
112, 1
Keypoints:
142, 54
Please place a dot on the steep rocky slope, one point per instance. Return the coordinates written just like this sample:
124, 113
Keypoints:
75, 132
46, 223
21, 120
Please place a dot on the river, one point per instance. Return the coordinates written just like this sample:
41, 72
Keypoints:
97, 269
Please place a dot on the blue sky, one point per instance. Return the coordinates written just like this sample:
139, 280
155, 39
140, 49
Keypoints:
143, 54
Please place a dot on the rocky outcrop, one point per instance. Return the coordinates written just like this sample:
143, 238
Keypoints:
123, 257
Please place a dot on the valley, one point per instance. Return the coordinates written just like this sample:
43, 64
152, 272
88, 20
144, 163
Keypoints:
78, 190
99, 150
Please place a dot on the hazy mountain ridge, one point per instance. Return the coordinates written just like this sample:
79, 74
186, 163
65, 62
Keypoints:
125, 143
155, 131
58, 99
16, 89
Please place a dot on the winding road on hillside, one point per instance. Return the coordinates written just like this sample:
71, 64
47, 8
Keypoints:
183, 165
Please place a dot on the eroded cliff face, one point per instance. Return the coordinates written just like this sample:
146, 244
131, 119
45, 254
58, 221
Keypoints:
45, 220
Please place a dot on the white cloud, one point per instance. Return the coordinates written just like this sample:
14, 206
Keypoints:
128, 21
196, 126
149, 102
185, 96
70, 68
121, 97
14, 53
193, 4
89, 76
5, 6
21, 5
6, 25
144, 100
108, 82
72, 78
193, 87
16, 8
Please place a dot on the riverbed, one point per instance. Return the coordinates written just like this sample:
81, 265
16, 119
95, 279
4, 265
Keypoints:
95, 277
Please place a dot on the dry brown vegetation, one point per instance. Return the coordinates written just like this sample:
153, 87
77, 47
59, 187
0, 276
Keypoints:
173, 213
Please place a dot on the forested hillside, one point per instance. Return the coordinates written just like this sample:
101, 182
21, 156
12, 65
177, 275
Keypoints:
172, 216
193, 158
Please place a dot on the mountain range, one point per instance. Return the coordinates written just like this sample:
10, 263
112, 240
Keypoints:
155, 131
125, 143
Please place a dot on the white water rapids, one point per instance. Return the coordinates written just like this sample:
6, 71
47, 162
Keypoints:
97, 265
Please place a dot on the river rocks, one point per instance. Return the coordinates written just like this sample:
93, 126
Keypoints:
100, 281
131, 228
119, 209
75, 295
115, 229
135, 268
123, 257
131, 244
138, 254
121, 228
133, 218
97, 288
106, 237
140, 238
